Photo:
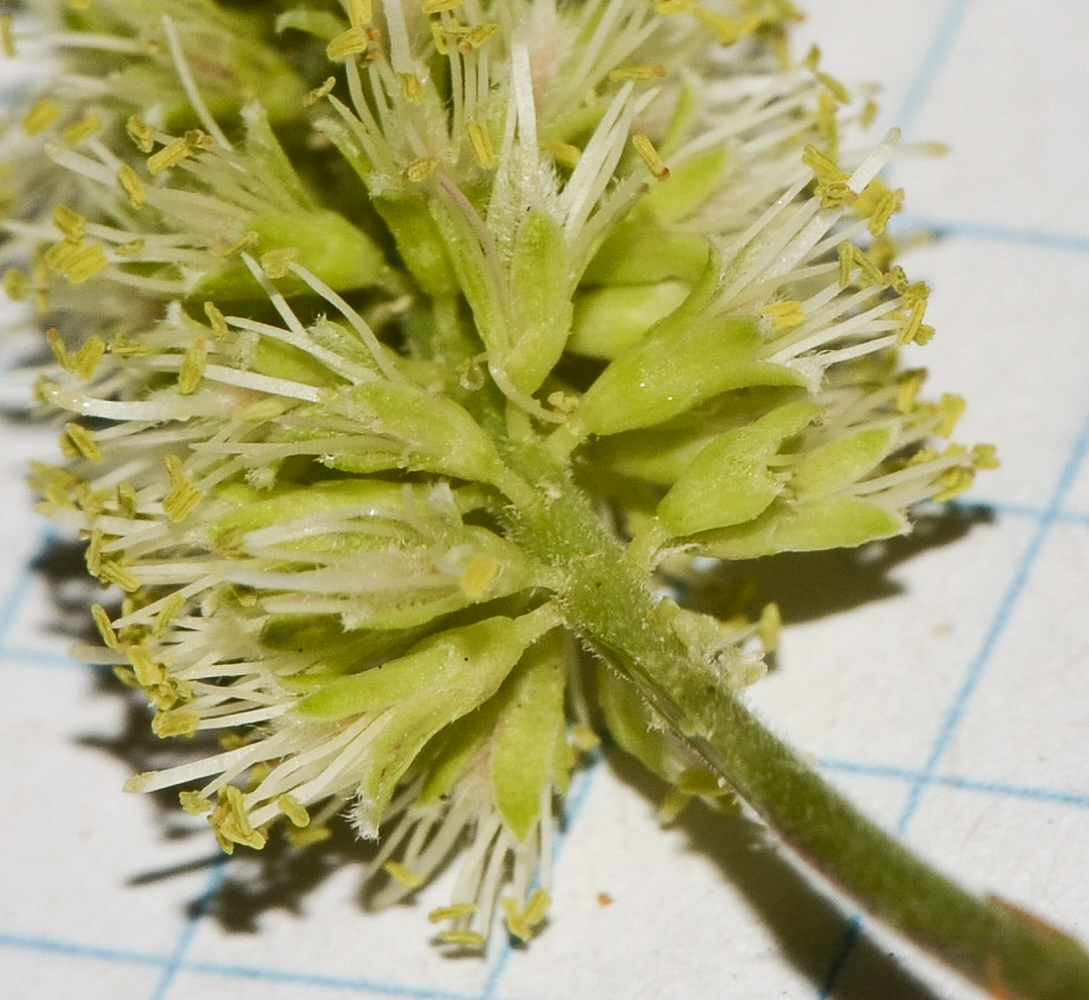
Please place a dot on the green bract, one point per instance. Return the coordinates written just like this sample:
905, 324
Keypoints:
406, 351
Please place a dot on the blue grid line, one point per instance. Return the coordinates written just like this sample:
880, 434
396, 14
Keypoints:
574, 807
264, 974
994, 233
998, 625
41, 658
13, 603
26, 942
185, 938
1001, 788
934, 60
123, 957
926, 777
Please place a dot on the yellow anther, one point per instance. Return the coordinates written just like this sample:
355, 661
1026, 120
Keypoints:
352, 42
411, 88
769, 626
645, 148
79, 130
403, 874
294, 810
104, 626
833, 194
40, 116
671, 806
308, 836
85, 360
583, 738
76, 261
52, 483
908, 389
438, 35
823, 165
812, 58
93, 556
419, 171
126, 347
911, 328
952, 483
951, 408
835, 88
669, 8
360, 13
167, 613
198, 141
78, 442
111, 571
263, 410
7, 36
57, 346
480, 142
148, 670
889, 203
132, 185
169, 156
141, 133
215, 318
277, 263
169, 694
16, 284
192, 369
564, 153
244, 242
828, 124
441, 6
897, 280
319, 92
851, 256
476, 37
230, 822
71, 224
454, 912
622, 73
784, 315
91, 501
194, 803
868, 114
727, 30
846, 263
537, 907
517, 925
883, 251
461, 939
126, 499
130, 248
183, 495
917, 291
984, 456
478, 576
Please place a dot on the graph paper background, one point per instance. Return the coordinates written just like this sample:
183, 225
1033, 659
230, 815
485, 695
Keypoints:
948, 693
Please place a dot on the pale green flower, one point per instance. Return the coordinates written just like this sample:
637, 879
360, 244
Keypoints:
387, 335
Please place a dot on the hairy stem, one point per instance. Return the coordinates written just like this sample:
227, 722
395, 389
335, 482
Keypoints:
1006, 951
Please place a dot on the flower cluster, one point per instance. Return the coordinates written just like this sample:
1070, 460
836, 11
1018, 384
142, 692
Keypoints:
346, 297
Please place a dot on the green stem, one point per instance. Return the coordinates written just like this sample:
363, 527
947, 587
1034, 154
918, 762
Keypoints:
1004, 950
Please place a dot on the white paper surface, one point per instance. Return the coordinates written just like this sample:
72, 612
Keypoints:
946, 693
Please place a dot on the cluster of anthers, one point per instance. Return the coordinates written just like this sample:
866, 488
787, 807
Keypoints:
340, 293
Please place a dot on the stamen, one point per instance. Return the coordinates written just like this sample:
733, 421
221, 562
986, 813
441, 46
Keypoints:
189, 84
